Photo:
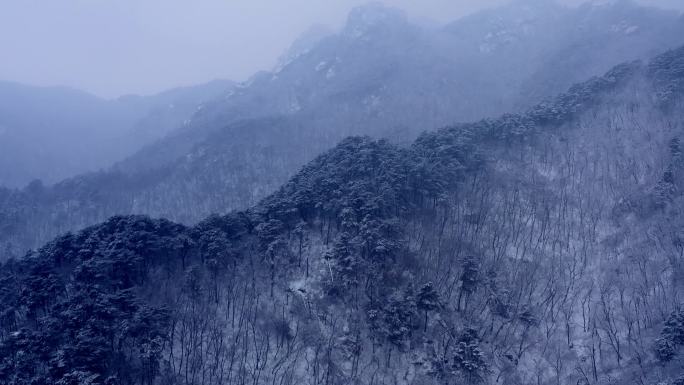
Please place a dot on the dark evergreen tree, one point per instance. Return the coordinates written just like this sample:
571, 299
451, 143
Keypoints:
427, 300
468, 359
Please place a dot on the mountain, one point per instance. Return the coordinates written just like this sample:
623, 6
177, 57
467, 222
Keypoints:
380, 76
51, 133
538, 247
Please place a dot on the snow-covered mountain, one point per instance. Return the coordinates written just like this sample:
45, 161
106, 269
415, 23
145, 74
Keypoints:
542, 247
380, 75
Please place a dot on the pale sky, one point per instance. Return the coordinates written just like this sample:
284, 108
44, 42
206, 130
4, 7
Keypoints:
115, 47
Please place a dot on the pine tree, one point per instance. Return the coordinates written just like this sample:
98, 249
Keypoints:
468, 358
671, 337
427, 300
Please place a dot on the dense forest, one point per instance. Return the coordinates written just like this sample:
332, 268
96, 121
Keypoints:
381, 75
542, 247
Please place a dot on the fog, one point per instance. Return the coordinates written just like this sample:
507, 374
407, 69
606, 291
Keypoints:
410, 197
111, 48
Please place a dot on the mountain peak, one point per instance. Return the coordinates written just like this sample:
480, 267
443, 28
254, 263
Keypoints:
304, 43
370, 16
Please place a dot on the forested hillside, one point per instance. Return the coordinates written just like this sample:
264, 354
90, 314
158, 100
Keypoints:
542, 247
380, 75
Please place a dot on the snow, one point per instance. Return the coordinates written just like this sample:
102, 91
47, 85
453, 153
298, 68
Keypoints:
631, 30
372, 101
321, 66
229, 94
245, 84
624, 27
294, 105
328, 66
289, 60
505, 35
299, 286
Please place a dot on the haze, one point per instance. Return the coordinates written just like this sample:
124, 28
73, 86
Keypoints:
111, 48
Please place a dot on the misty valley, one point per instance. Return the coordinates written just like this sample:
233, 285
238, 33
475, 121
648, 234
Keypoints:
498, 199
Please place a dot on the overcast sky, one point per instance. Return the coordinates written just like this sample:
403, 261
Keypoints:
115, 47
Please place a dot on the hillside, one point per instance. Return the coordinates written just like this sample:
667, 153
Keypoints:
541, 247
380, 76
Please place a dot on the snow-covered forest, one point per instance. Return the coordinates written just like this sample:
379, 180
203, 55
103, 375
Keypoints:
494, 201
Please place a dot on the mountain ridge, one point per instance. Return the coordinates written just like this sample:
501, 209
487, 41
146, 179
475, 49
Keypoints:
464, 257
247, 143
68, 132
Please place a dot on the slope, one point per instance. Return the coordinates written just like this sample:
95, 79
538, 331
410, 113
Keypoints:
538, 247
380, 76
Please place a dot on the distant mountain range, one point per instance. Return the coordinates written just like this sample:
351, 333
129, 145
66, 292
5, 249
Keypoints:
51, 133
380, 76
